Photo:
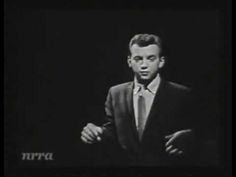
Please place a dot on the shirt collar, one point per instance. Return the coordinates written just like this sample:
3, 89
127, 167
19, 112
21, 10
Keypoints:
152, 86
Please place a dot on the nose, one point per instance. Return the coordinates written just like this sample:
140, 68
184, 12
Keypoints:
144, 64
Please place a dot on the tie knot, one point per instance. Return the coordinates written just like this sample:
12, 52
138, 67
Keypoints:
143, 87
142, 90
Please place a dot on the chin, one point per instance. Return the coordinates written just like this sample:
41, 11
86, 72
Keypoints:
145, 79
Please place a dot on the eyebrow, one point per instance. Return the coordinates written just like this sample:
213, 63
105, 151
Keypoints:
151, 55
137, 56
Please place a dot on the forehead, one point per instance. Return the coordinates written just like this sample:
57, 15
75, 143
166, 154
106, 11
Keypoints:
147, 50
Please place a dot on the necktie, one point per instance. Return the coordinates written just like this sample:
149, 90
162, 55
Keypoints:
141, 115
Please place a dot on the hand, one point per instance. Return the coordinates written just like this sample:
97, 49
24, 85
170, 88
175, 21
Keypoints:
91, 133
176, 142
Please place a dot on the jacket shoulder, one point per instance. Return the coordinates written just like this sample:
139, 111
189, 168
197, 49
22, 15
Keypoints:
121, 87
178, 87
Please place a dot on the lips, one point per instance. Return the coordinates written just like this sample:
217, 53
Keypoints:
144, 73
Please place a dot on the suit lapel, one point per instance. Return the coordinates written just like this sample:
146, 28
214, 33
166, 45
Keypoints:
130, 108
157, 105
156, 108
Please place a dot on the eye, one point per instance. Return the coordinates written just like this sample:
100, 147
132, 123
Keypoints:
152, 58
137, 58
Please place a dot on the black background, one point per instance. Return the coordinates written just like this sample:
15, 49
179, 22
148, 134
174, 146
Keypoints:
60, 63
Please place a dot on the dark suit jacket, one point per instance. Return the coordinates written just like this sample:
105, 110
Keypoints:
170, 112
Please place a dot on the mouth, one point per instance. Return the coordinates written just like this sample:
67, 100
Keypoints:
144, 73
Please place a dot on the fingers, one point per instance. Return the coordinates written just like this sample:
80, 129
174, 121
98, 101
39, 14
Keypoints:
169, 136
85, 140
86, 137
171, 140
173, 151
99, 130
95, 130
169, 148
91, 133
180, 152
173, 137
176, 152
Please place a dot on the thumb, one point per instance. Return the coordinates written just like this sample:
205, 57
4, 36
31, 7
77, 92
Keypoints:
169, 136
99, 138
99, 130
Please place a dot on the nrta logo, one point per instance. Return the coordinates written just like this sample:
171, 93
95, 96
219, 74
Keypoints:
36, 156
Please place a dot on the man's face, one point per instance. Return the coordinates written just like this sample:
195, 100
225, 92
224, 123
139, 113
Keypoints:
145, 62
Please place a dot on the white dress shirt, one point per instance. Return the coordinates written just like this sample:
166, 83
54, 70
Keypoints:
148, 93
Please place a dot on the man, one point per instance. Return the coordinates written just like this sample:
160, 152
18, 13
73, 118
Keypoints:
150, 118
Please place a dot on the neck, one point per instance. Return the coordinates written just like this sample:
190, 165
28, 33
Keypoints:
145, 83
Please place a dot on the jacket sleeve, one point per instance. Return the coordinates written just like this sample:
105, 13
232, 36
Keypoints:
109, 132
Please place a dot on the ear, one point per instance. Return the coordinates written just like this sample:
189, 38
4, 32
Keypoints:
129, 61
162, 62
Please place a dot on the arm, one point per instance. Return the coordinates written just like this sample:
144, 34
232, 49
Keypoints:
92, 133
109, 126
179, 142
182, 142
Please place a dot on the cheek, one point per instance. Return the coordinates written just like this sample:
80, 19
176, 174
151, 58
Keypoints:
155, 67
134, 66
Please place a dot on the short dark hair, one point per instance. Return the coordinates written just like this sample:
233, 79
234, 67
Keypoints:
144, 40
